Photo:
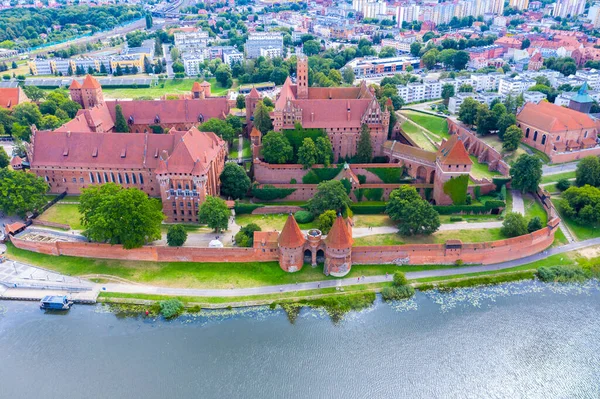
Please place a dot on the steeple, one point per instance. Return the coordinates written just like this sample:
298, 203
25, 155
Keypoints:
291, 235
339, 236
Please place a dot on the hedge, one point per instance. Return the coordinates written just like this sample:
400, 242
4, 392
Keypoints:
269, 193
500, 181
304, 217
456, 189
475, 209
365, 209
241, 208
373, 194
492, 204
387, 175
317, 175
311, 178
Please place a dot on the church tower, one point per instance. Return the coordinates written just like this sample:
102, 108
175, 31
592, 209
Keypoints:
302, 77
91, 93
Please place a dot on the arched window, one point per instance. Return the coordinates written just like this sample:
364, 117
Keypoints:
127, 178
585, 135
527, 133
535, 135
557, 138
543, 139
141, 179
133, 179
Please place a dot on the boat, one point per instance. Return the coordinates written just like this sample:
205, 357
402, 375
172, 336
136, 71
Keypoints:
55, 302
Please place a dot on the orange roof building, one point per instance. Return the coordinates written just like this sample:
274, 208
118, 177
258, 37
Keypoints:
10, 97
291, 244
551, 128
338, 250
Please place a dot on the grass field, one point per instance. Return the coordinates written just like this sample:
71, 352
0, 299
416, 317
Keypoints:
557, 177
545, 158
445, 219
246, 151
418, 136
63, 213
581, 232
440, 237
533, 208
171, 86
480, 170
435, 124
270, 222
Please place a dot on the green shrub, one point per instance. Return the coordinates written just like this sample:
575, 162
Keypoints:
373, 194
456, 219
157, 129
561, 274
456, 189
366, 209
459, 262
397, 293
563, 184
293, 181
388, 175
452, 209
359, 194
362, 179
171, 308
304, 217
469, 200
242, 208
500, 182
176, 235
327, 173
269, 192
311, 178
400, 279
494, 204
477, 192
347, 185
245, 237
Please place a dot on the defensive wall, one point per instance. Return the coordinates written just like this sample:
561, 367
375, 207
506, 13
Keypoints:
560, 157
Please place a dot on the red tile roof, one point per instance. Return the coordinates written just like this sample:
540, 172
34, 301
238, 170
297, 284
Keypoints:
90, 83
339, 236
16, 161
332, 113
552, 118
254, 93
255, 132
74, 85
11, 97
291, 236
171, 111
95, 119
453, 152
13, 227
196, 87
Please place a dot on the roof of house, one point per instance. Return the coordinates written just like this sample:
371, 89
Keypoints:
339, 236
95, 119
550, 118
11, 97
582, 95
196, 87
13, 227
16, 161
255, 132
90, 83
171, 111
291, 236
74, 85
254, 93
453, 152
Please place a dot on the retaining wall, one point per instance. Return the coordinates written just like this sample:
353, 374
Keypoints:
560, 157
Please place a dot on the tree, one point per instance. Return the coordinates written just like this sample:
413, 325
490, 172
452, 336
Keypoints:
276, 148
504, 122
525, 44
415, 49
387, 52
268, 102
526, 173
447, 92
514, 225
235, 183
148, 20
240, 101
27, 114
49, 122
588, 172
413, 214
235, 122
348, 75
311, 47
467, 113
245, 237
563, 184
364, 149
117, 215
330, 195
262, 119
34, 93
485, 120
158, 50
307, 153
21, 192
461, 59
220, 127
429, 59
512, 138
326, 220
534, 224
120, 122
176, 235
4, 158
324, 151
223, 75
215, 213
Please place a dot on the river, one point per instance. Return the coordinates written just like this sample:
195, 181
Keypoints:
518, 340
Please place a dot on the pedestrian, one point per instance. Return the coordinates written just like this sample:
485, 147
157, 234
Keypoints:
358, 280
318, 285
281, 290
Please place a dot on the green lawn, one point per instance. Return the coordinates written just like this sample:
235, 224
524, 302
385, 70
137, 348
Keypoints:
480, 170
435, 124
559, 239
170, 86
534, 208
545, 158
246, 150
478, 235
445, 219
418, 136
581, 232
372, 221
63, 213
557, 177
271, 222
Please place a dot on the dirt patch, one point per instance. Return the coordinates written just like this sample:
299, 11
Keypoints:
589, 253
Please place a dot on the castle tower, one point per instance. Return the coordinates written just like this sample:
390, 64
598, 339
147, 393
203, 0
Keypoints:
251, 100
291, 246
75, 91
255, 142
197, 92
582, 101
205, 88
302, 77
452, 161
338, 250
91, 92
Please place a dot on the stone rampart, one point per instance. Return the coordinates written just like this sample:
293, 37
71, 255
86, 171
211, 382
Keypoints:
560, 157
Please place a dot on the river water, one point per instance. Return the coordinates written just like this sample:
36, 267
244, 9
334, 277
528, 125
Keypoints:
519, 340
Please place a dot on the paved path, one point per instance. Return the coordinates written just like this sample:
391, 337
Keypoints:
554, 169
518, 205
274, 289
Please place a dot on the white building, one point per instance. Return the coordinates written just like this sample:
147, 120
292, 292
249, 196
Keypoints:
231, 56
271, 52
592, 77
455, 102
534, 96
568, 8
259, 40
514, 86
190, 41
191, 62
433, 89
486, 82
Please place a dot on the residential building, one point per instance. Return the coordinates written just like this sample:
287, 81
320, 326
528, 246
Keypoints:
271, 52
192, 61
519, 4
455, 102
259, 40
516, 85
191, 41
369, 66
533, 96
568, 8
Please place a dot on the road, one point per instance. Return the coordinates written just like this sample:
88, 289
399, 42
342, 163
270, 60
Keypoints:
561, 168
167, 55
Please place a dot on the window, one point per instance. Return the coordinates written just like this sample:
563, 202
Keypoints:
112, 177
133, 178
126, 178
91, 178
181, 204
585, 135
99, 177
535, 135
141, 179
527, 133
120, 178
557, 138
81, 180
543, 139
74, 180
174, 204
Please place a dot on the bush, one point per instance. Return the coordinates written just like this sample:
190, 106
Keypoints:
459, 262
176, 235
373, 194
311, 178
452, 209
269, 192
293, 181
561, 274
469, 200
397, 293
245, 237
327, 173
387, 175
494, 204
171, 308
456, 189
400, 279
304, 217
365, 209
456, 219
326, 220
242, 208
362, 179
563, 184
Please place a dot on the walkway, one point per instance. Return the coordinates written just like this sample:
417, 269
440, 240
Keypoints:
518, 206
274, 289
561, 168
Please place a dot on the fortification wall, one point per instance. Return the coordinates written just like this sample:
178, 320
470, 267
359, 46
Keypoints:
560, 157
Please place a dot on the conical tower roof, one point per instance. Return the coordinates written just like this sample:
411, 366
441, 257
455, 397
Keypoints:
75, 85
339, 236
291, 236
